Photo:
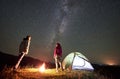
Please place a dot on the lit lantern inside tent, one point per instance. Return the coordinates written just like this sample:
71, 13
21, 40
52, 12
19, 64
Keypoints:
42, 68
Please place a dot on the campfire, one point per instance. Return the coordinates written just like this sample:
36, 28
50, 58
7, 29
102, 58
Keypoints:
42, 68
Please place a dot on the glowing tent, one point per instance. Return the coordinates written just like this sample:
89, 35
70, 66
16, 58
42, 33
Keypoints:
76, 60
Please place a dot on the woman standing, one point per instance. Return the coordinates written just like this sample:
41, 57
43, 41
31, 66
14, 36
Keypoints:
58, 56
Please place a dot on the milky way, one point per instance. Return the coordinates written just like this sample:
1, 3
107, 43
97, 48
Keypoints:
61, 21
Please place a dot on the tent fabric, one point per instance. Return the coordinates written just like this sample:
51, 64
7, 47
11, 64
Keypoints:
76, 60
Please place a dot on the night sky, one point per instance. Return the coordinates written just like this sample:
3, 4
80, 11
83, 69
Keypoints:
91, 27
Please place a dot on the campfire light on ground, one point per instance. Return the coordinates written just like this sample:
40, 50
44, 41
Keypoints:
42, 68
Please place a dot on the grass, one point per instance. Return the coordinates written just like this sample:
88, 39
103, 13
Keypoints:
33, 73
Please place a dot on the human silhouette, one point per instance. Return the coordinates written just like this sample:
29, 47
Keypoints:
23, 49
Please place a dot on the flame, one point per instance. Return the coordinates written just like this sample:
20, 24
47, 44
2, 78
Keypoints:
42, 68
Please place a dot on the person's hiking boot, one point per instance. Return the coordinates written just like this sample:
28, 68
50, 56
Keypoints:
62, 68
56, 70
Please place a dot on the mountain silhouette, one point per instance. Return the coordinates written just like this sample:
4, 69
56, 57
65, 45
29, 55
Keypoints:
10, 61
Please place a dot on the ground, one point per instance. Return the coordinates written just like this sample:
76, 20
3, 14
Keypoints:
33, 73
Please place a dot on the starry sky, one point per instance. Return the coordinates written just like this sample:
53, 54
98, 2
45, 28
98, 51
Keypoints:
91, 27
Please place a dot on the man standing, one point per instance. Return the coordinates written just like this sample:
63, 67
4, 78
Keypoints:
23, 49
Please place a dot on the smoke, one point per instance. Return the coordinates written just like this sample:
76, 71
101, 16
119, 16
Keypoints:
62, 14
